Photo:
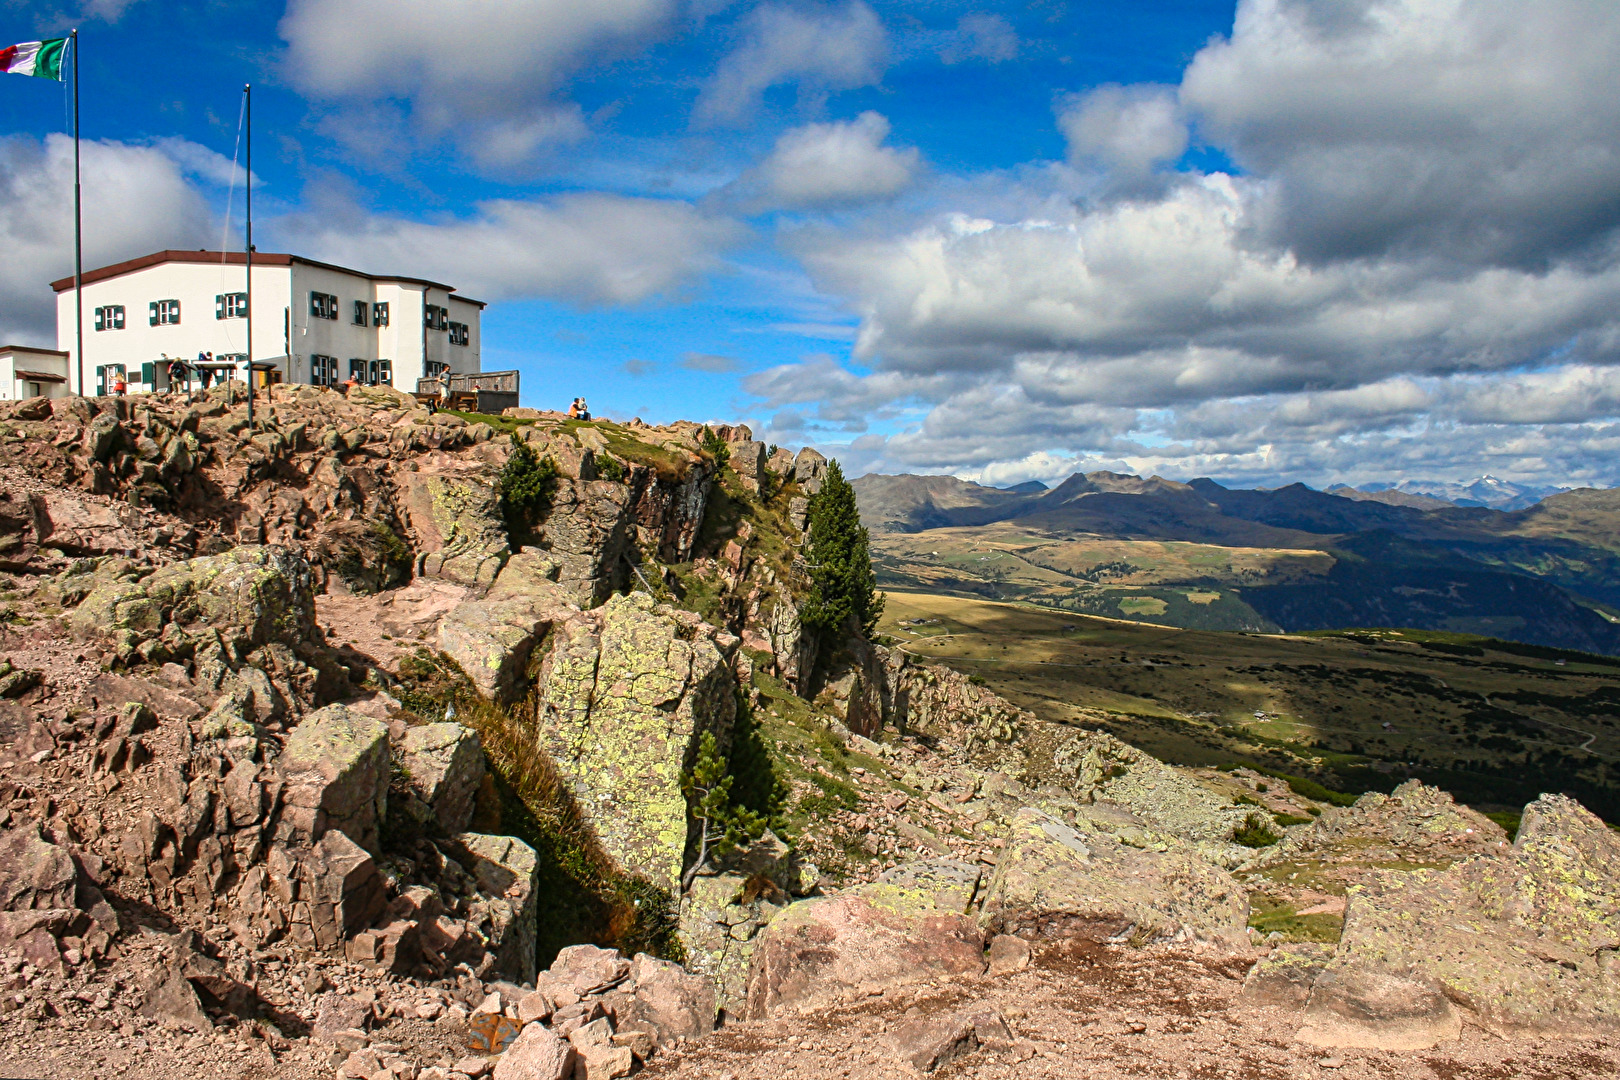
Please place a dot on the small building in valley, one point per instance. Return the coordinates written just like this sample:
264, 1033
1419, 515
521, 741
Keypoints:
312, 322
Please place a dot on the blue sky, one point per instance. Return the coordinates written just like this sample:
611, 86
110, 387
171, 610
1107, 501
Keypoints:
1319, 240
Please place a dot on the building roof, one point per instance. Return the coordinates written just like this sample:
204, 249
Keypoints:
237, 258
32, 349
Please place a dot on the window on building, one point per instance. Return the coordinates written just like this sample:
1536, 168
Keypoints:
459, 334
379, 313
437, 318
381, 373
434, 369
357, 370
164, 312
360, 312
323, 370
323, 305
235, 359
110, 317
230, 305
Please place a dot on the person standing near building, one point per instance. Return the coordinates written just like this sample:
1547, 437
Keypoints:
119, 386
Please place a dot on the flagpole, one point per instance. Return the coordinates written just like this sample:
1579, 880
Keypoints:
247, 90
78, 222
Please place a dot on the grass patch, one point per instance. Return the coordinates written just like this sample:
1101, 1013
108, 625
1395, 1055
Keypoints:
1255, 832
1269, 916
1509, 820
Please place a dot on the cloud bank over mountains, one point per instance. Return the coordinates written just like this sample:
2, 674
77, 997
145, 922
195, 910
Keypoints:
1414, 265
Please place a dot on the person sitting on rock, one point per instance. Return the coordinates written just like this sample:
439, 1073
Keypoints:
584, 410
573, 410
350, 383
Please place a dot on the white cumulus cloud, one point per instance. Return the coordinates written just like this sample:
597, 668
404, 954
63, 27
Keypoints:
820, 49
36, 217
584, 248
837, 163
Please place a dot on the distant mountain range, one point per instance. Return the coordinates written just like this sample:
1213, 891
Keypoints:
1486, 491
1546, 574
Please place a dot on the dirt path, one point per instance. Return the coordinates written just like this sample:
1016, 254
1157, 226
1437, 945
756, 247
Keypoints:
1088, 1011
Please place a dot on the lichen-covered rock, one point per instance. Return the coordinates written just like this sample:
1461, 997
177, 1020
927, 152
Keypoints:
335, 765
1524, 939
588, 533
1415, 822
721, 916
493, 637
458, 525
259, 595
925, 885
1104, 769
817, 951
629, 690
507, 872
1283, 977
1058, 881
932, 700
445, 763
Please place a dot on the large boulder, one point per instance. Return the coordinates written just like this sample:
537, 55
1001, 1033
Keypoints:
1061, 881
1378, 1010
507, 872
629, 690
492, 637
35, 875
258, 595
911, 927
675, 1003
1524, 940
445, 766
588, 535
1104, 769
331, 887
335, 766
458, 526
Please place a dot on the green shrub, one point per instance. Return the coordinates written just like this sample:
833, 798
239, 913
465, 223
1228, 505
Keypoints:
1254, 832
1286, 820
527, 484
610, 468
714, 447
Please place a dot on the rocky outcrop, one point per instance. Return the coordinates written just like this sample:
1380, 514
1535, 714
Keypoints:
457, 523
1103, 769
255, 595
1414, 822
930, 699
335, 766
493, 637
444, 766
628, 691
587, 534
507, 873
900, 929
1523, 940
1060, 881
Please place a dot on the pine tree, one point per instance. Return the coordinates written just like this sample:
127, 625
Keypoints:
843, 588
722, 826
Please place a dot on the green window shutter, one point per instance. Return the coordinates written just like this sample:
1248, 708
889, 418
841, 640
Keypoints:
101, 318
219, 307
152, 310
148, 374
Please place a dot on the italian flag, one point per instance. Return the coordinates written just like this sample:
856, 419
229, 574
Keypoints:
40, 58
